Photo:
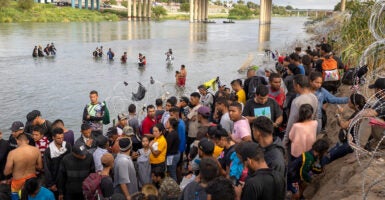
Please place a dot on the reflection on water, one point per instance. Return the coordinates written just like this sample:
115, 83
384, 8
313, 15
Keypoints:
59, 87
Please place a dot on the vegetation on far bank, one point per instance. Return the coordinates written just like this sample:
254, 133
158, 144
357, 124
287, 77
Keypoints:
37, 12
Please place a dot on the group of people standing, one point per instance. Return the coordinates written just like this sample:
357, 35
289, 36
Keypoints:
49, 50
255, 140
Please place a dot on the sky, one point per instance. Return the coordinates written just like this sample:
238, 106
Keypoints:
305, 4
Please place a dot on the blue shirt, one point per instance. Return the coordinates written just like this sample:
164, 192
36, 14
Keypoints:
43, 194
301, 69
182, 135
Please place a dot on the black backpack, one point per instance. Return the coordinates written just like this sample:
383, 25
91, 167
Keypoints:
254, 82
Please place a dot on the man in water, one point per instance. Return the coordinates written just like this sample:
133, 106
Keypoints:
182, 76
124, 57
110, 54
22, 163
52, 49
34, 52
46, 50
93, 113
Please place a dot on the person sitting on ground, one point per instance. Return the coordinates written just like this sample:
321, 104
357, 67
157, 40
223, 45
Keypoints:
34, 191
300, 168
303, 133
22, 163
356, 102
68, 134
168, 187
87, 138
123, 59
323, 97
262, 182
196, 189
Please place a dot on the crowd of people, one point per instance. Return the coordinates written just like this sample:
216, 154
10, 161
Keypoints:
261, 139
49, 50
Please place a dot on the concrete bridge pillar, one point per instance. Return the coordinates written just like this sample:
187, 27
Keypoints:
192, 11
129, 15
206, 13
139, 10
134, 16
149, 6
343, 5
265, 15
144, 9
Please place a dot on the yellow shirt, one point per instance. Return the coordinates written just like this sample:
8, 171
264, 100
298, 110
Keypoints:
162, 147
217, 151
241, 96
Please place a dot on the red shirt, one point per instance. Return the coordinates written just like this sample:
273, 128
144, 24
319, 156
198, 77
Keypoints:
147, 124
42, 145
279, 96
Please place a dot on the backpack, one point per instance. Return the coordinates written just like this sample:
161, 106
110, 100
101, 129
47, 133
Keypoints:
254, 82
330, 69
91, 187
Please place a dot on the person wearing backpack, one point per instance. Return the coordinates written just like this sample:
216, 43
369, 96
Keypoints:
99, 185
329, 65
252, 82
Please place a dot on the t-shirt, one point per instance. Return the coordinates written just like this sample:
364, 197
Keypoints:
161, 144
241, 96
182, 135
193, 124
172, 139
107, 186
241, 130
279, 96
226, 123
43, 194
69, 137
147, 124
124, 173
302, 137
301, 69
264, 184
224, 158
270, 109
217, 151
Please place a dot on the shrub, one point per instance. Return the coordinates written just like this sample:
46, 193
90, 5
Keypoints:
124, 3
158, 11
184, 7
241, 11
4, 3
25, 4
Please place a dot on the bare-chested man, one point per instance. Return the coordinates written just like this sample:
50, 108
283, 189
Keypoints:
22, 163
182, 76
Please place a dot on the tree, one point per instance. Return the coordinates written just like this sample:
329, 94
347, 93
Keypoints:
25, 4
349, 5
240, 11
289, 7
252, 5
184, 7
158, 11
240, 2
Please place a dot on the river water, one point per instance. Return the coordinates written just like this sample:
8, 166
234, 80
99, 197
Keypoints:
59, 86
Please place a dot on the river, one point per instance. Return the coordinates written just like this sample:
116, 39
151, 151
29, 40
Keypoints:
59, 86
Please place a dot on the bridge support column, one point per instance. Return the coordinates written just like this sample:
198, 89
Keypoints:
98, 4
140, 10
196, 10
265, 14
129, 10
80, 4
203, 10
144, 16
206, 18
149, 6
191, 11
134, 16
86, 4
92, 4
73, 3
343, 5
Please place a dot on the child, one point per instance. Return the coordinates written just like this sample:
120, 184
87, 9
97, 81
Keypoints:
300, 169
144, 167
303, 133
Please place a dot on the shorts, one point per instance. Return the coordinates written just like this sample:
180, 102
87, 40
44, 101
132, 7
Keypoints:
181, 81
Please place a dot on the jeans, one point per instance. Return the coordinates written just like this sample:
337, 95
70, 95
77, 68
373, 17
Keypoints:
338, 151
171, 169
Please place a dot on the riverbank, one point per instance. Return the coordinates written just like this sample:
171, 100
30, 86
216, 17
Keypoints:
52, 13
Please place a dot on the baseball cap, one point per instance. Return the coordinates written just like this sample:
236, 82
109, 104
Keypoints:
204, 111
128, 130
206, 146
32, 115
184, 99
122, 116
17, 125
379, 84
79, 149
107, 159
124, 144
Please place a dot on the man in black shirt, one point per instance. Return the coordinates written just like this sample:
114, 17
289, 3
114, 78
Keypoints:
34, 119
17, 128
223, 140
262, 105
262, 182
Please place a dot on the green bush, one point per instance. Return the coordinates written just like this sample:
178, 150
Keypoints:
124, 3
240, 11
158, 11
25, 4
184, 7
